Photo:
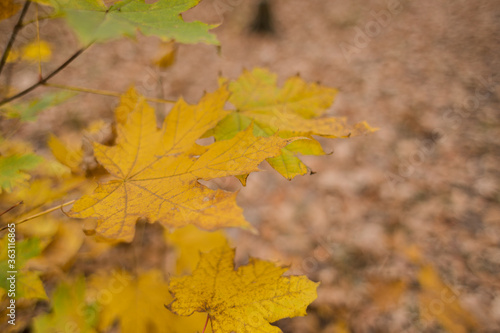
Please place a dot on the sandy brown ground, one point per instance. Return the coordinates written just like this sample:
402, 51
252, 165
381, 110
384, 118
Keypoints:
428, 180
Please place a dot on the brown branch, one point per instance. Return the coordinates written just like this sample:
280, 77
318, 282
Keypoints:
16, 29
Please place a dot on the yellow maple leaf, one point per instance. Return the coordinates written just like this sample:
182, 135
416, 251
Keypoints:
137, 303
291, 111
156, 171
189, 241
243, 300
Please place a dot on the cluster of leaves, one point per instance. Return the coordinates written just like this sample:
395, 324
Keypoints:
153, 174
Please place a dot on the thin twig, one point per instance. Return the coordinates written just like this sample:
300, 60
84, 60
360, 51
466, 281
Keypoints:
16, 29
102, 92
44, 80
11, 208
41, 213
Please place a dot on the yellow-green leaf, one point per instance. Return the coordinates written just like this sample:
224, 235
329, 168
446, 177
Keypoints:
70, 311
29, 110
12, 170
295, 110
245, 300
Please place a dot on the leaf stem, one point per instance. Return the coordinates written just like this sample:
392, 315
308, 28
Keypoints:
206, 323
102, 92
41, 213
13, 35
48, 77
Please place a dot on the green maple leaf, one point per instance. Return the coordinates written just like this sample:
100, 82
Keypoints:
11, 169
94, 22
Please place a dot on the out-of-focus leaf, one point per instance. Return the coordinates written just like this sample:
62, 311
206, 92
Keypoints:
12, 170
70, 310
67, 155
137, 303
189, 241
36, 51
28, 111
61, 249
168, 51
8, 8
93, 21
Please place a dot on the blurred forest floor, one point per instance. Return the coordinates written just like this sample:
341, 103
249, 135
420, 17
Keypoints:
402, 227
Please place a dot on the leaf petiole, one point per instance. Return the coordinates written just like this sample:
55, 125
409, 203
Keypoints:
206, 323
41, 213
